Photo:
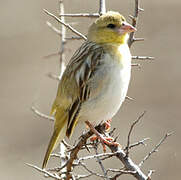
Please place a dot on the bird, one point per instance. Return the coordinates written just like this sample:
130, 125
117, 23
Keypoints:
95, 81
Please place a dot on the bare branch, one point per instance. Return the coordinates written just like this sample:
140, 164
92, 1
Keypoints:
83, 176
130, 98
96, 156
128, 163
55, 176
142, 142
155, 148
54, 28
90, 171
51, 55
102, 7
143, 57
74, 38
136, 65
53, 76
134, 22
120, 173
63, 41
130, 131
150, 173
58, 32
41, 114
65, 24
94, 15
138, 39
100, 163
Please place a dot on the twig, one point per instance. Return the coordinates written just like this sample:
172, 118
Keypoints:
136, 65
150, 173
65, 24
63, 41
130, 131
54, 28
74, 38
51, 55
155, 148
94, 15
58, 32
142, 142
53, 76
128, 163
143, 57
63, 159
138, 39
120, 173
102, 7
55, 176
41, 114
100, 163
91, 172
83, 176
130, 98
134, 22
96, 156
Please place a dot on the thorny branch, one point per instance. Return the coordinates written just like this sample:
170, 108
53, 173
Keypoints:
65, 24
67, 167
155, 149
130, 131
134, 23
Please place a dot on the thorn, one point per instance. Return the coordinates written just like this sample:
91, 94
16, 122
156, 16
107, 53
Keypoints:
136, 64
87, 148
130, 98
115, 139
132, 17
140, 9
138, 39
111, 132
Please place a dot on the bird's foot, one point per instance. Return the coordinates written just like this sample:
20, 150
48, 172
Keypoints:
103, 139
107, 124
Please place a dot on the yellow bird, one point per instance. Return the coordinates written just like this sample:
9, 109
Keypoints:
95, 81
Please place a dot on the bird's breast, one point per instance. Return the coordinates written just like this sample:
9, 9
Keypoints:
108, 90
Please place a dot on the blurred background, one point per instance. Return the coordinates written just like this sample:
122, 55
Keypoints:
156, 87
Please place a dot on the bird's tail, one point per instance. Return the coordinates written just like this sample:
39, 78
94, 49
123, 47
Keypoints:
58, 134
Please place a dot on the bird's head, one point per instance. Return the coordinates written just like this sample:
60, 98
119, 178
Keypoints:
110, 28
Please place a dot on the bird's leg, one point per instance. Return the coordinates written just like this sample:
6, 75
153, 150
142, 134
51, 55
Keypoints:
104, 140
108, 124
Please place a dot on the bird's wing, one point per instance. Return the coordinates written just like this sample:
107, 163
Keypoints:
74, 87
73, 90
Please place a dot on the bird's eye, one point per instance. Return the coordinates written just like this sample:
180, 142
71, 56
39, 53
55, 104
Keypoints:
112, 26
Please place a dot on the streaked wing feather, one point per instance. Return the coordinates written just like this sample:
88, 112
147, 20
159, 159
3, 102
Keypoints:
74, 88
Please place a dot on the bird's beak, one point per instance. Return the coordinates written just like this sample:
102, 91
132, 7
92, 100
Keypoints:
127, 28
